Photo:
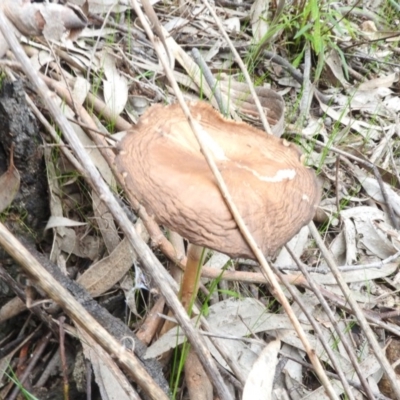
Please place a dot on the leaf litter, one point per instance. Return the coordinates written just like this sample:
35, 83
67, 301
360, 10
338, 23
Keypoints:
355, 112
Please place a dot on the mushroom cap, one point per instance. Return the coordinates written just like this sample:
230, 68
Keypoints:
165, 170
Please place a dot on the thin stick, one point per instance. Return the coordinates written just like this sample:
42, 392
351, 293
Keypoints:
308, 89
275, 288
342, 337
149, 260
294, 293
243, 68
367, 164
211, 82
377, 395
376, 348
76, 311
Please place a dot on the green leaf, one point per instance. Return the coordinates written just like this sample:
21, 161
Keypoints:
303, 30
230, 293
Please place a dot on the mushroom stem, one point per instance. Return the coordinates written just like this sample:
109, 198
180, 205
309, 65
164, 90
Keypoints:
191, 276
189, 281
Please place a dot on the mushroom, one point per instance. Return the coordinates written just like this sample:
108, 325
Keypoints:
165, 170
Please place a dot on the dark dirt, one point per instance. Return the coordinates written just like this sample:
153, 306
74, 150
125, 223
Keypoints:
27, 217
18, 127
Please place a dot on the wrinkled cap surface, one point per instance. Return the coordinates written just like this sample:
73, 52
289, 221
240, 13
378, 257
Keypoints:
165, 170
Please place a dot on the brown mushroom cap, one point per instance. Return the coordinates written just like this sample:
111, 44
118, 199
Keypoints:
165, 170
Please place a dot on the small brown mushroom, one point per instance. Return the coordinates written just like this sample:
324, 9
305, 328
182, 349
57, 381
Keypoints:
166, 171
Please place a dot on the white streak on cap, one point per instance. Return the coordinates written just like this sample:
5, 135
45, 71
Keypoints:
280, 175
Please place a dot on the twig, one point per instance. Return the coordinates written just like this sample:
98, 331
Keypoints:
211, 82
357, 311
62, 74
76, 311
63, 358
377, 395
307, 94
317, 329
98, 132
394, 167
369, 58
366, 164
359, 44
342, 337
243, 68
324, 270
21, 293
92, 54
377, 264
337, 187
386, 199
275, 288
33, 361
296, 74
133, 31
390, 314
150, 262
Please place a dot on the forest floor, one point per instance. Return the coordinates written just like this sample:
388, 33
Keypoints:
89, 281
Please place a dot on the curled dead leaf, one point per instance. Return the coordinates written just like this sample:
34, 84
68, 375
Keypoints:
272, 103
53, 21
9, 184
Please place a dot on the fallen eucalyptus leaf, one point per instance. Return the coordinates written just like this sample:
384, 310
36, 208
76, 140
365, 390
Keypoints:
259, 16
57, 221
113, 384
104, 274
115, 85
9, 184
260, 381
54, 21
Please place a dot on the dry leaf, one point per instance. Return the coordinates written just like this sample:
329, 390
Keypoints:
115, 85
258, 17
86, 247
226, 318
104, 6
9, 184
370, 31
113, 384
106, 223
333, 71
92, 151
54, 21
260, 381
368, 131
384, 81
104, 274
232, 24
350, 238
272, 103
297, 244
371, 186
11, 308
57, 221
80, 90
